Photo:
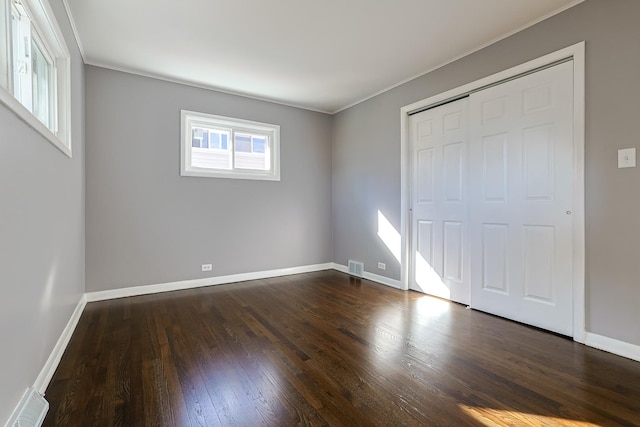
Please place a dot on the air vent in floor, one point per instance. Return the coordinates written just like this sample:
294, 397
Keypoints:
30, 411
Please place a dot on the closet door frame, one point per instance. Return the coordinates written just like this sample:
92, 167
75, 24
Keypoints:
576, 53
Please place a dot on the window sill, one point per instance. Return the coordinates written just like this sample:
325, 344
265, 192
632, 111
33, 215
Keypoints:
204, 173
26, 116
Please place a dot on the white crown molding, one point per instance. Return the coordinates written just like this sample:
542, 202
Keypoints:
184, 82
131, 70
470, 52
74, 28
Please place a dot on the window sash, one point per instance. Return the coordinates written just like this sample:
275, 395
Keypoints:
35, 69
257, 160
43, 91
21, 64
5, 48
33, 81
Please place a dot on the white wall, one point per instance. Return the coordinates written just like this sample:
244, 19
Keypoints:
41, 238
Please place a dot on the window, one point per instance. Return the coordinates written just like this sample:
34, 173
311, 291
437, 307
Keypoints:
35, 69
224, 147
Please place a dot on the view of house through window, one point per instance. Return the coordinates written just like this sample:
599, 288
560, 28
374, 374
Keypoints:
225, 147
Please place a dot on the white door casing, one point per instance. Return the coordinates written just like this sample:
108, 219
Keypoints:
574, 52
537, 237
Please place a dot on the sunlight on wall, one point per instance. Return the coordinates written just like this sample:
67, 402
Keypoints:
491, 416
426, 278
47, 295
389, 236
429, 280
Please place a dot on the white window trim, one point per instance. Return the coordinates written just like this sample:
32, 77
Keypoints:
191, 118
50, 36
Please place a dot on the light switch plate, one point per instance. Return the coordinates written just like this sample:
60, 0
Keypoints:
627, 158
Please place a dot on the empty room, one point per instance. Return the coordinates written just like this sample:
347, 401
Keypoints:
343, 213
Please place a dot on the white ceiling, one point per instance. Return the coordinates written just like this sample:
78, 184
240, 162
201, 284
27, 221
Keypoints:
322, 55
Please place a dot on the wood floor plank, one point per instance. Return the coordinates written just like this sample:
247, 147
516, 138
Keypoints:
324, 348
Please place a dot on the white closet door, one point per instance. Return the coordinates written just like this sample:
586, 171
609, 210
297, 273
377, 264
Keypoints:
521, 171
439, 241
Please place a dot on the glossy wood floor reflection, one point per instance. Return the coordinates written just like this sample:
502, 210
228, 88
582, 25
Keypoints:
325, 349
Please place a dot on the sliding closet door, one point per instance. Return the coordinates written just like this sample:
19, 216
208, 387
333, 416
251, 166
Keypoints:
520, 188
439, 239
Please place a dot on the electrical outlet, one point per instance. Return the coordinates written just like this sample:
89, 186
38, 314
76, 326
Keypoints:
382, 266
207, 267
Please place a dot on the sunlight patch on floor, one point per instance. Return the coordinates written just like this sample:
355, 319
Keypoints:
432, 307
500, 417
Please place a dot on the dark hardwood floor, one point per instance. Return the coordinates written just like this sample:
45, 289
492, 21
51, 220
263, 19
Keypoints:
325, 349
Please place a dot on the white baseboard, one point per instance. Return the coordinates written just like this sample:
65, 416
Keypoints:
340, 267
198, 283
371, 276
50, 366
383, 280
621, 348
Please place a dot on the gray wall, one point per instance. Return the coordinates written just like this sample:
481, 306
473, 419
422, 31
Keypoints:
366, 154
147, 225
41, 238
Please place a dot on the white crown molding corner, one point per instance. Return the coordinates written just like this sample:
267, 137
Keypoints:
185, 82
465, 54
74, 28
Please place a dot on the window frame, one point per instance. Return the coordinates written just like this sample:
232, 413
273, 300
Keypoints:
190, 119
46, 34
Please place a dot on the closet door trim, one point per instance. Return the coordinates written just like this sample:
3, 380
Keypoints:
577, 54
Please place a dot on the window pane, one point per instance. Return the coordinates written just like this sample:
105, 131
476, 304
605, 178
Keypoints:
4, 53
259, 144
205, 139
214, 139
21, 45
41, 81
245, 157
210, 159
196, 137
15, 53
243, 143
224, 144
